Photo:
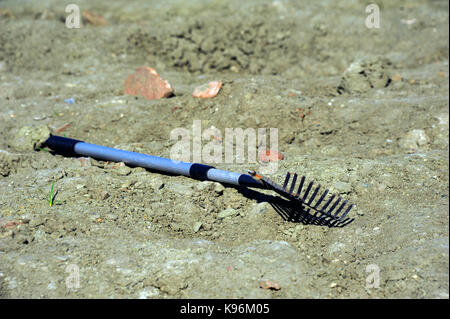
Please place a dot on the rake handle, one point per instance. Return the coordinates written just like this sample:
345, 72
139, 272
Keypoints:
71, 147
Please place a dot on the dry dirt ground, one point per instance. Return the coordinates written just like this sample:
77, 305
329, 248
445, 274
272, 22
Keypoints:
363, 111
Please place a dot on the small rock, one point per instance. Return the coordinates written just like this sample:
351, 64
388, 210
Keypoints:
147, 83
123, 170
197, 226
219, 188
30, 138
205, 186
206, 226
101, 195
209, 90
364, 75
8, 162
259, 209
342, 187
94, 19
110, 216
126, 185
227, 213
97, 163
182, 189
414, 140
156, 183
38, 221
270, 156
39, 235
396, 275
267, 284
95, 217
84, 161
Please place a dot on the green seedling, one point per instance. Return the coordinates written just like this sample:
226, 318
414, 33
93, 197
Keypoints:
44, 149
52, 196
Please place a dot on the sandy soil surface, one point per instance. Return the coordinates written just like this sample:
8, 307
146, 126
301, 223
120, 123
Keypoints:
362, 111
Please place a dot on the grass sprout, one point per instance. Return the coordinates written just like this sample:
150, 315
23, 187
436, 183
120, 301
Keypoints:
52, 195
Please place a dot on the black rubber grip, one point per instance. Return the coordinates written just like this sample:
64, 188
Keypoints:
248, 181
199, 171
61, 145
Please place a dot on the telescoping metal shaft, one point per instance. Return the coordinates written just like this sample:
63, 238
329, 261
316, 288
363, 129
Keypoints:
72, 147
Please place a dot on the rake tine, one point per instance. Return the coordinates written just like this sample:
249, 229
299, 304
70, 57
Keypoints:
321, 198
286, 180
327, 215
294, 180
340, 208
347, 211
313, 195
302, 181
305, 196
334, 205
328, 202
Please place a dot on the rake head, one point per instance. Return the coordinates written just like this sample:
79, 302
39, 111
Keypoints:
325, 211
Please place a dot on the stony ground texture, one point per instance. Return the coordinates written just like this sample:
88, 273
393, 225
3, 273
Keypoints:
362, 111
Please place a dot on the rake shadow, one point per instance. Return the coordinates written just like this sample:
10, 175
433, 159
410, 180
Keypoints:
293, 212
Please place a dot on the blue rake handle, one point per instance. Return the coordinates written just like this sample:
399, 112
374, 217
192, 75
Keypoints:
72, 147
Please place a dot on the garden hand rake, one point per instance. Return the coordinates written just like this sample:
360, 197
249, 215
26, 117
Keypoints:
324, 214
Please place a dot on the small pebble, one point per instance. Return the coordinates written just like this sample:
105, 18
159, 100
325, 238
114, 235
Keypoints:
197, 226
204, 186
414, 140
94, 19
125, 185
270, 156
342, 187
267, 284
110, 216
102, 195
227, 213
209, 90
69, 101
123, 170
156, 183
259, 209
219, 188
30, 138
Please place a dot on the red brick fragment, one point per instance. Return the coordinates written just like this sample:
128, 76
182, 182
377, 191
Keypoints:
147, 83
8, 224
208, 90
270, 156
